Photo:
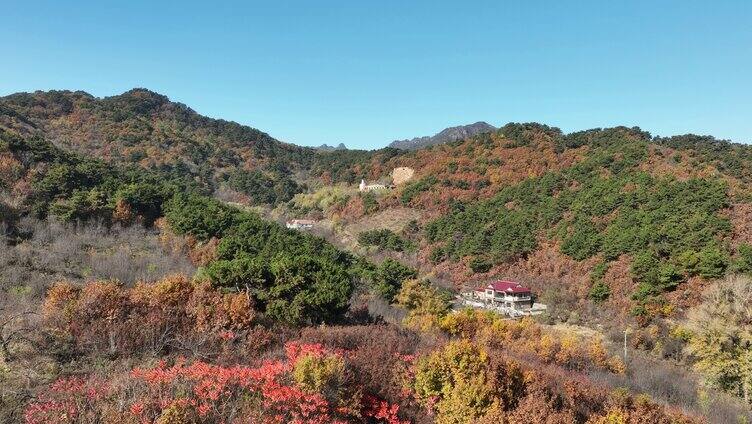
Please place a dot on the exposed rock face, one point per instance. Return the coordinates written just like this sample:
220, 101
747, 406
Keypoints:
402, 175
445, 136
327, 148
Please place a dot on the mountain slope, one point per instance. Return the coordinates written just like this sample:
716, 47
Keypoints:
608, 217
600, 221
145, 128
445, 136
498, 203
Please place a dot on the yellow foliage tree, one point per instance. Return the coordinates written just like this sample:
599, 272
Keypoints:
722, 336
426, 305
614, 416
468, 322
320, 374
455, 380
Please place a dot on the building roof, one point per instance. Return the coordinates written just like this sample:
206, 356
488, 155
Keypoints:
301, 221
508, 287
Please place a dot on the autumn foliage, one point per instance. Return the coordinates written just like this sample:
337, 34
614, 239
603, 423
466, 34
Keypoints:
249, 338
105, 317
525, 338
276, 391
216, 367
515, 372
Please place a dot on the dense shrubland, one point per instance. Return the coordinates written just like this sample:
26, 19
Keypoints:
220, 363
197, 330
173, 314
262, 188
51, 181
215, 364
384, 239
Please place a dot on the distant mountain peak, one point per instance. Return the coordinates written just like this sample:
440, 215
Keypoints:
444, 136
327, 148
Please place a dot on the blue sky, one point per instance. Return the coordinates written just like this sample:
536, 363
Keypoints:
365, 73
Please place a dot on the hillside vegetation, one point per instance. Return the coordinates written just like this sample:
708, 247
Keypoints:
670, 210
131, 293
144, 128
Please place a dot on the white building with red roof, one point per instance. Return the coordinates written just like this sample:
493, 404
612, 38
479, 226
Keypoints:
505, 294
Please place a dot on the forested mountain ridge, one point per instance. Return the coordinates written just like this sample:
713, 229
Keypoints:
564, 212
139, 122
144, 128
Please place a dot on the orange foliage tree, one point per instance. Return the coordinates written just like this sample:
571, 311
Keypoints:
172, 313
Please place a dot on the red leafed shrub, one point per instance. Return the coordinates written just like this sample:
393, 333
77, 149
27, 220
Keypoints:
67, 400
202, 392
